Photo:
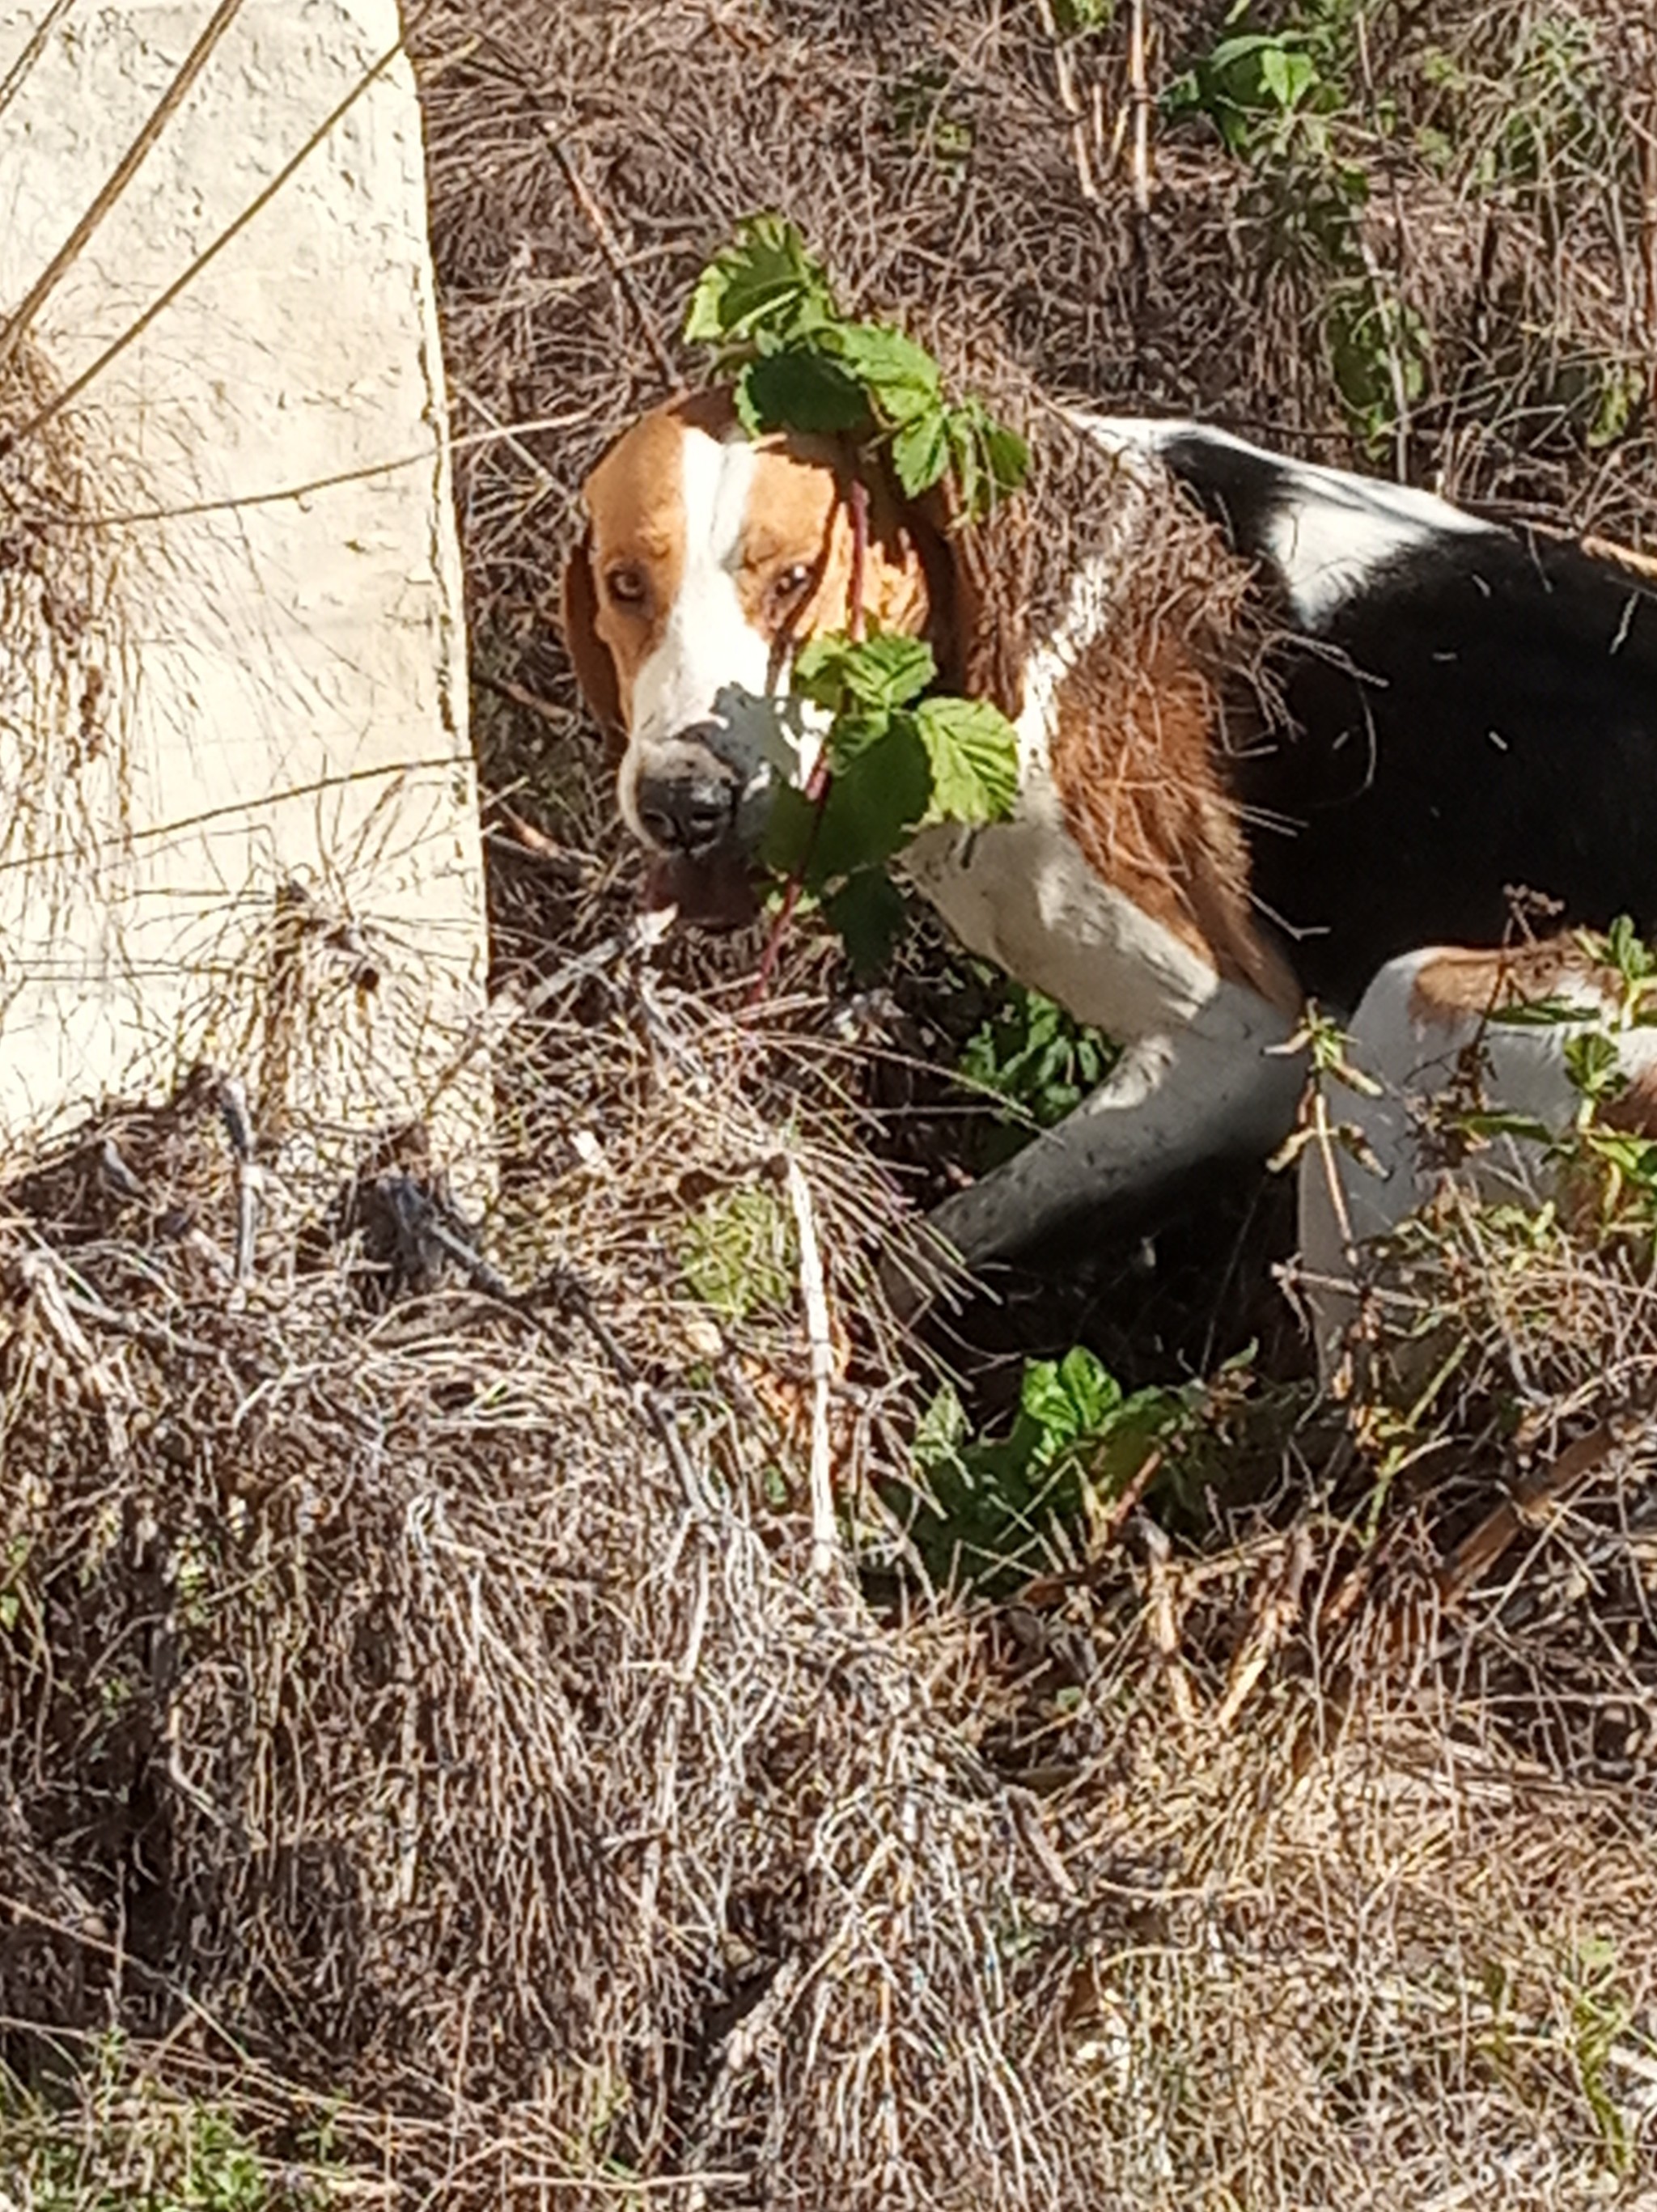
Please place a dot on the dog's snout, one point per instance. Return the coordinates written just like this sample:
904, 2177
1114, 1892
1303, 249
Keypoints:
692, 812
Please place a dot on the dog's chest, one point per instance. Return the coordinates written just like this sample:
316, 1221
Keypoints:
1022, 894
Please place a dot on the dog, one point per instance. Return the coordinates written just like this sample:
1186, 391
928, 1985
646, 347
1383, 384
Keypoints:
1453, 709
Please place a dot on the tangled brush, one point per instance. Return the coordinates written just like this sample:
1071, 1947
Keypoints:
415, 1681
443, 1732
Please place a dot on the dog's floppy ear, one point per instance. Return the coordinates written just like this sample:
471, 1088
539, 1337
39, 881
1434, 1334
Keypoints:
595, 671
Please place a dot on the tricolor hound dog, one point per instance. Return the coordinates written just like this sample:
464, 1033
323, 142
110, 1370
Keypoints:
1463, 708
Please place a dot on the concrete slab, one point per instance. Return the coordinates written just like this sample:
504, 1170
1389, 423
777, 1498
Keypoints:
238, 805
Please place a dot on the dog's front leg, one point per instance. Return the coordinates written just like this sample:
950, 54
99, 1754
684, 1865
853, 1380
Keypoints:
1172, 1103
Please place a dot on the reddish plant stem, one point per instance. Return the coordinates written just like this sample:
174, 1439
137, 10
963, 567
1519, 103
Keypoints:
857, 500
816, 784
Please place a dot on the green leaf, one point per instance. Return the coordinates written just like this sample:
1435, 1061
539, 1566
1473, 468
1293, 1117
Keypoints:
974, 751
990, 460
1225, 57
1180, 96
766, 304
888, 670
1538, 1013
1007, 457
901, 377
1285, 74
1628, 953
874, 806
1069, 1398
972, 490
1617, 396
1594, 1065
869, 914
854, 730
883, 672
799, 389
791, 830
920, 451
764, 278
1626, 1151
941, 1429
1075, 18
1523, 1125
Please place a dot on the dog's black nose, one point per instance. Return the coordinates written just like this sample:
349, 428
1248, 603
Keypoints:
686, 813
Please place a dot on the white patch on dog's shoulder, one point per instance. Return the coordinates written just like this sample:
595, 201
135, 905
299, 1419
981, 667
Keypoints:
1329, 534
1022, 894
1324, 532
1134, 435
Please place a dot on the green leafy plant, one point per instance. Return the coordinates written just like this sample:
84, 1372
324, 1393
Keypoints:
107, 2139
897, 760
1617, 1166
1037, 1060
923, 117
1279, 99
1075, 19
896, 755
1552, 121
1259, 90
1600, 2017
798, 363
1613, 1168
1327, 1047
737, 1252
993, 1508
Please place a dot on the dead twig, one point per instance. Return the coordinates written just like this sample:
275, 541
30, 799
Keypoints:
504, 688
1162, 1620
825, 1545
1103, 1536
1277, 1609
597, 221
1549, 1485
424, 1221
1139, 96
249, 1176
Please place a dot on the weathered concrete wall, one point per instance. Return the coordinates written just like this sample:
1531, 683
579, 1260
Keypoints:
216, 685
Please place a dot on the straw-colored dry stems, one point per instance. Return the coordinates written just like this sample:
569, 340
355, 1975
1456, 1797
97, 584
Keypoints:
825, 1546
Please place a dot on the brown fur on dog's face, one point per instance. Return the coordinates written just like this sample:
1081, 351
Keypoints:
707, 561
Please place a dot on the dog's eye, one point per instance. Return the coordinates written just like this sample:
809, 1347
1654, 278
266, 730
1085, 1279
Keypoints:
625, 586
789, 587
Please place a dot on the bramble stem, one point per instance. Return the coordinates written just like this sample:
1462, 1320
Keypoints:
857, 500
816, 784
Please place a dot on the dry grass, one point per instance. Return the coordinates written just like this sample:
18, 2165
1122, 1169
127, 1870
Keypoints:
64, 669
429, 1736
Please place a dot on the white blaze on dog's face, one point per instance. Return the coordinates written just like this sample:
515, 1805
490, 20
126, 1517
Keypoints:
709, 559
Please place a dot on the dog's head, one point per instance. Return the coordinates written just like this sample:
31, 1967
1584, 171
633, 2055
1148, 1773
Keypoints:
707, 561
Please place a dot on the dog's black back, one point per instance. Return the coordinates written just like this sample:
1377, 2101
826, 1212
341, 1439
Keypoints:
1473, 712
